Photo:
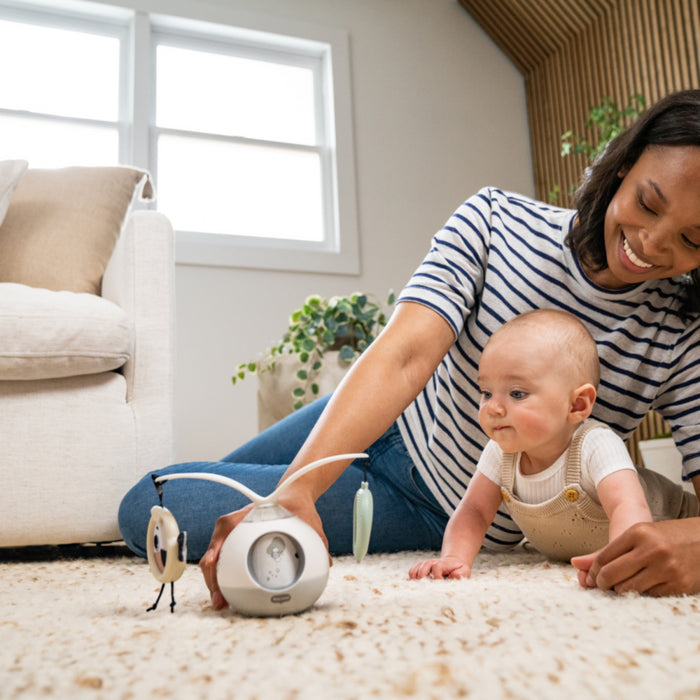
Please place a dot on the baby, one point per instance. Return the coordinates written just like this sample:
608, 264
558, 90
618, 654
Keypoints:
567, 482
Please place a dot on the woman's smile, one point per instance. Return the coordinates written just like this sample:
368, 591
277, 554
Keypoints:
631, 258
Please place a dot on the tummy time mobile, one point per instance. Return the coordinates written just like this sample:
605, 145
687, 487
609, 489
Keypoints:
272, 562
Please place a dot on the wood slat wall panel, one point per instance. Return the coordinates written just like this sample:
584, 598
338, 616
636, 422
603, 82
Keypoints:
572, 53
691, 22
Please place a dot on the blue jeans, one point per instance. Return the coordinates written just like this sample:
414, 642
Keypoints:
406, 515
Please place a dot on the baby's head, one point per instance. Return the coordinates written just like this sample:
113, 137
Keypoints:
558, 338
538, 377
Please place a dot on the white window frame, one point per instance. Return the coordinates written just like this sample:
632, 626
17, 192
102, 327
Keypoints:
339, 253
70, 15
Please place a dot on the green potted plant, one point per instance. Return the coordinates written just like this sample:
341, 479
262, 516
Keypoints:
323, 339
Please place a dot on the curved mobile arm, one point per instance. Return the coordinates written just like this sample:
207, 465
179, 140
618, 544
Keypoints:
309, 467
232, 483
249, 493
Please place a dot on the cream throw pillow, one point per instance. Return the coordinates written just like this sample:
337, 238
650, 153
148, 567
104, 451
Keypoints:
61, 226
10, 173
45, 335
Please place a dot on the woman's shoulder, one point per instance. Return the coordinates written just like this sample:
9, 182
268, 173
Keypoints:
516, 204
501, 194
513, 212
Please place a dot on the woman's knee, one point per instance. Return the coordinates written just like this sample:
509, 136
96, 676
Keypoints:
134, 514
280, 443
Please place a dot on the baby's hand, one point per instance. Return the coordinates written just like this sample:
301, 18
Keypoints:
445, 567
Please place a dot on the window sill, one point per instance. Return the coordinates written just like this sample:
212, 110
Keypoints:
264, 254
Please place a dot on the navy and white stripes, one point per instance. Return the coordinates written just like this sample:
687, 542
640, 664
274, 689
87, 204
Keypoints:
501, 254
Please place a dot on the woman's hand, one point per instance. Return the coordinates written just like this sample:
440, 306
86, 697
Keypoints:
222, 529
300, 504
660, 558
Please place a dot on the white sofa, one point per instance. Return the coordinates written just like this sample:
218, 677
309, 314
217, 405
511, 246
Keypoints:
86, 391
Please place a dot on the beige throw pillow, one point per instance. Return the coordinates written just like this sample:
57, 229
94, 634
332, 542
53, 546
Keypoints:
61, 226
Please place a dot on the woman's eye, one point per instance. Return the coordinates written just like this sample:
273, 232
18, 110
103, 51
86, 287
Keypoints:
691, 244
643, 205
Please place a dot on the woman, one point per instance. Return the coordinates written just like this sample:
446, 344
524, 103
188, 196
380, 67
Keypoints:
625, 263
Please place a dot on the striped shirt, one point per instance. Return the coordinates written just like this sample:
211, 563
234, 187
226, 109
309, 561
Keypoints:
501, 254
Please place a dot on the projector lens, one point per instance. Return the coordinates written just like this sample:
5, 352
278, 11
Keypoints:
275, 561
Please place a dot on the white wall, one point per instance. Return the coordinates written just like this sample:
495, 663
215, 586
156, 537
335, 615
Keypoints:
439, 112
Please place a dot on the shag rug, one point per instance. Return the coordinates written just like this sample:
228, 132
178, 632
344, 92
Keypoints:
73, 624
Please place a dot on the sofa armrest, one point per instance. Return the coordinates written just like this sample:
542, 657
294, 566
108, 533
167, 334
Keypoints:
140, 278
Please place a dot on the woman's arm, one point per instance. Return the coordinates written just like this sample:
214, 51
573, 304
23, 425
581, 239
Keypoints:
661, 558
379, 386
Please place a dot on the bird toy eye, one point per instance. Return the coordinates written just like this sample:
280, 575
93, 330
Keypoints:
160, 555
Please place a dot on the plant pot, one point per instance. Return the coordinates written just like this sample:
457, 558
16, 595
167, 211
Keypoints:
662, 455
276, 386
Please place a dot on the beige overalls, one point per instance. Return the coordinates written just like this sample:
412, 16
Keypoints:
572, 523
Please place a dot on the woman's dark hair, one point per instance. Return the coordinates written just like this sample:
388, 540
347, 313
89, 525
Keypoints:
672, 121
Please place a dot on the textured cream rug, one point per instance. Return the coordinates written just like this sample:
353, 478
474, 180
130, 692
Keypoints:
77, 627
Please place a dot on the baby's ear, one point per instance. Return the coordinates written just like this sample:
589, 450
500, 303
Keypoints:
582, 403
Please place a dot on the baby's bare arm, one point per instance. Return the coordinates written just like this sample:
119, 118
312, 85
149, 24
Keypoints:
623, 500
464, 533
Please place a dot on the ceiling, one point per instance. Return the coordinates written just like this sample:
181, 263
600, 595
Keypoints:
529, 31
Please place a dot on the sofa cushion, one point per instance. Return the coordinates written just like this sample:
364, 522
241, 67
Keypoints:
46, 334
10, 173
61, 225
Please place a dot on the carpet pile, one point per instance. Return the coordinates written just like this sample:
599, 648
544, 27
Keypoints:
73, 624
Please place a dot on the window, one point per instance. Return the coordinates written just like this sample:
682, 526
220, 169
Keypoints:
246, 132
63, 110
